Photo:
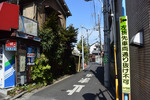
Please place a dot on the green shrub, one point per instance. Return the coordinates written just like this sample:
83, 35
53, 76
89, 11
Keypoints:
41, 71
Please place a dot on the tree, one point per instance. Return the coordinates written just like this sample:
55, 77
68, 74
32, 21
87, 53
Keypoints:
79, 46
57, 45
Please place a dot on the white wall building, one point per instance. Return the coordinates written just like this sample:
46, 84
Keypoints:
95, 48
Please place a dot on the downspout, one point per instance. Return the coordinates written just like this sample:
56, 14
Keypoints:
115, 46
114, 25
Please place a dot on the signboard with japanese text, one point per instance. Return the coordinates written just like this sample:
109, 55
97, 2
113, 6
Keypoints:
28, 26
11, 45
125, 57
30, 55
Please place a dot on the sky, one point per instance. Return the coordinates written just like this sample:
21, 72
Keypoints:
83, 14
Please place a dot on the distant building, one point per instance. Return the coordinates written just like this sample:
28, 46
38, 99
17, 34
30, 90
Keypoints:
95, 48
95, 51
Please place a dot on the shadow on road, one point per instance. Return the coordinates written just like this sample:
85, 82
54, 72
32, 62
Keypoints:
99, 74
97, 96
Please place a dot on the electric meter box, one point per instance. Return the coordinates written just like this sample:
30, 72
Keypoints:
7, 68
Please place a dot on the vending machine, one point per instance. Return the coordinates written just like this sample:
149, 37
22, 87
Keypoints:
7, 68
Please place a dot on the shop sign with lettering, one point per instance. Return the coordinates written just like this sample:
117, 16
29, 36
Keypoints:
11, 45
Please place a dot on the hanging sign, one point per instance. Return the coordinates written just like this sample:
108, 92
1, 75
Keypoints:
11, 45
125, 57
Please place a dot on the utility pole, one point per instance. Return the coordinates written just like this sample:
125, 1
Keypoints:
87, 45
94, 11
107, 44
82, 48
87, 40
99, 28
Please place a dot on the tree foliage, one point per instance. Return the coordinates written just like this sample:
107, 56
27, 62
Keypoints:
57, 44
41, 70
79, 46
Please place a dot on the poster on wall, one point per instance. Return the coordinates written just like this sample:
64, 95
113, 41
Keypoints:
22, 63
30, 56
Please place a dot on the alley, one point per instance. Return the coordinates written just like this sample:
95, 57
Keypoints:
86, 85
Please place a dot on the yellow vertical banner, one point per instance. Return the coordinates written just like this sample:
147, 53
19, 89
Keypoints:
125, 55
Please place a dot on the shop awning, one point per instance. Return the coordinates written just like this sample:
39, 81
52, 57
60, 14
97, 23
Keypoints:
9, 16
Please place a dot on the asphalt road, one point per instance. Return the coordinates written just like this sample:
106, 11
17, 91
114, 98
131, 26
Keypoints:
1, 96
86, 85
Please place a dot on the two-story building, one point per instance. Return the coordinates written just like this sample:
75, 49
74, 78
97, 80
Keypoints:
96, 52
19, 41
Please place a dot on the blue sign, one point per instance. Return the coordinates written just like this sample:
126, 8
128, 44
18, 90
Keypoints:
30, 56
11, 48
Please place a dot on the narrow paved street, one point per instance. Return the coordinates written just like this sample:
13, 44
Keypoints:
86, 85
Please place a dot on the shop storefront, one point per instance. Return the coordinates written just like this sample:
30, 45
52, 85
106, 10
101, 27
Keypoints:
19, 46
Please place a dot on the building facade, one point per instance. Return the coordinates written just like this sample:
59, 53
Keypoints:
19, 42
96, 52
39, 10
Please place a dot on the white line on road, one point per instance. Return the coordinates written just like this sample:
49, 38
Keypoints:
77, 88
89, 75
86, 80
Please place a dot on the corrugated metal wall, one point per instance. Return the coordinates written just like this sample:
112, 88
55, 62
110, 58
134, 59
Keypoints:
138, 12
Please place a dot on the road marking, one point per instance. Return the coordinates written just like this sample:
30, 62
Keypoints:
89, 75
86, 80
77, 88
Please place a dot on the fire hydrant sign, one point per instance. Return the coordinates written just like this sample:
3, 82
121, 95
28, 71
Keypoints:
125, 57
11, 45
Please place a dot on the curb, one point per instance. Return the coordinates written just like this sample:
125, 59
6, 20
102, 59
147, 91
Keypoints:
34, 90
